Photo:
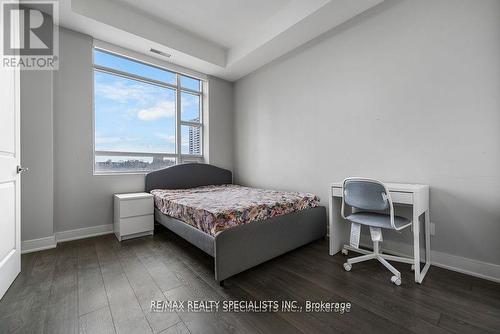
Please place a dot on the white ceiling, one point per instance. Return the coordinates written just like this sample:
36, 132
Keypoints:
224, 38
225, 22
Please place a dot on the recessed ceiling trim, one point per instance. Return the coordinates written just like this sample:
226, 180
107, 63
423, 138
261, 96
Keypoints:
124, 18
132, 27
148, 58
333, 14
287, 17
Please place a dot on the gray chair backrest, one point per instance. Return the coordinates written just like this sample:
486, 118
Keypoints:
365, 194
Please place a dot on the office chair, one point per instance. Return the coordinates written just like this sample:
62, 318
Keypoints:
370, 200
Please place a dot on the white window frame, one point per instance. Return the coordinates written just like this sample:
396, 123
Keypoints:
178, 155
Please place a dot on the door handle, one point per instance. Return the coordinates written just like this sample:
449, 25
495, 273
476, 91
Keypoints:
21, 169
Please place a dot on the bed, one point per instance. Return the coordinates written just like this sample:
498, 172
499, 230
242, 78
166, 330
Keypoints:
237, 239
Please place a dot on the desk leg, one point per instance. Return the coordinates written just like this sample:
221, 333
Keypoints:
338, 227
427, 237
419, 275
427, 245
416, 245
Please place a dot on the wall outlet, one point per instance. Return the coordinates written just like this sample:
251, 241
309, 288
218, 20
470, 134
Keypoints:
433, 228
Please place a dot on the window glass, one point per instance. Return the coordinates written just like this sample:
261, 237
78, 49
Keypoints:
190, 83
123, 64
190, 107
133, 116
136, 117
124, 164
191, 139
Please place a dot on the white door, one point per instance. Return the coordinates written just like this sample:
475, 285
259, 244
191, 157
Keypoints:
10, 197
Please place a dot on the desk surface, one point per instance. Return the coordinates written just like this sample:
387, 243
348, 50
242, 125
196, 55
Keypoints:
403, 187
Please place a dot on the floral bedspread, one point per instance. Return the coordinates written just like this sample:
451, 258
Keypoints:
213, 209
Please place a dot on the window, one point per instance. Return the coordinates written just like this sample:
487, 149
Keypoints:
145, 117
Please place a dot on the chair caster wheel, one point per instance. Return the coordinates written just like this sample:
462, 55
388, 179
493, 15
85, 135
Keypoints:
347, 266
396, 280
344, 252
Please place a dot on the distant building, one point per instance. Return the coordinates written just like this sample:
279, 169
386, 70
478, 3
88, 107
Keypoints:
194, 139
134, 164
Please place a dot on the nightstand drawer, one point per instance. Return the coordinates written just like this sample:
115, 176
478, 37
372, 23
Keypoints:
136, 207
136, 224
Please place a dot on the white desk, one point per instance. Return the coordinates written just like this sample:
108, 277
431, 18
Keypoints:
416, 195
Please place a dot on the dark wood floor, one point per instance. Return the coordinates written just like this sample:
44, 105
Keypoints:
99, 285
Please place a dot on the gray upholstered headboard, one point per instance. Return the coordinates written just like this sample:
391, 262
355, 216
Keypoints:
187, 176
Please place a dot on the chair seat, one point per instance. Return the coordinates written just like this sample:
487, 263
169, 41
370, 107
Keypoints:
378, 220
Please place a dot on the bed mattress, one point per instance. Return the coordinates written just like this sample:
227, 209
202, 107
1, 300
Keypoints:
213, 209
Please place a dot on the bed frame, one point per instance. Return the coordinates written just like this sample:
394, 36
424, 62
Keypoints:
242, 247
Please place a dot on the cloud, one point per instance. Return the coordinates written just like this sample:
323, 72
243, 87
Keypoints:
185, 144
189, 100
120, 92
162, 109
107, 140
111, 140
190, 103
166, 137
125, 91
146, 102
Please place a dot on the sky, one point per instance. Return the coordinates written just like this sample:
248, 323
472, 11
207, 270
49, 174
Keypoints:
133, 116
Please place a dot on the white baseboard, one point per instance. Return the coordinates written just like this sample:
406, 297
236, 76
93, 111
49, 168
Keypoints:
485, 270
82, 233
489, 271
34, 245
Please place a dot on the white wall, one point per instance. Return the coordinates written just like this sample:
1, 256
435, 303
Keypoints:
59, 149
407, 92
80, 198
37, 185
220, 123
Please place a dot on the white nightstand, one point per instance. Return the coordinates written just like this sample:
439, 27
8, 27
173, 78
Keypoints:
134, 215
